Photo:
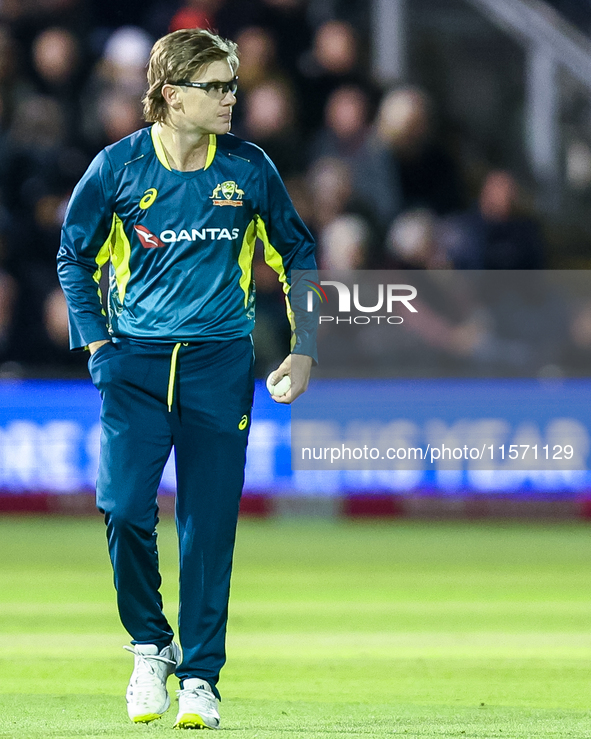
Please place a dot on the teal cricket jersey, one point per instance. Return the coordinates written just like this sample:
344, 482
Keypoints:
180, 244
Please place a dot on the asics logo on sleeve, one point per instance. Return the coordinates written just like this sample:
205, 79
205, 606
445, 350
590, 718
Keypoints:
147, 238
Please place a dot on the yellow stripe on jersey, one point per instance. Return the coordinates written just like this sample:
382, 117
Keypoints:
275, 261
118, 249
120, 255
158, 147
212, 146
245, 258
101, 259
211, 150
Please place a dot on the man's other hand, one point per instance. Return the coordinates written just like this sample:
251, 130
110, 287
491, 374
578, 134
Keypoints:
297, 366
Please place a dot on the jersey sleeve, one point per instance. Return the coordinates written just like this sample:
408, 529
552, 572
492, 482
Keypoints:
84, 250
289, 250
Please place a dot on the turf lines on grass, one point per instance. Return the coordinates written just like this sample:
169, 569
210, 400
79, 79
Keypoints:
336, 629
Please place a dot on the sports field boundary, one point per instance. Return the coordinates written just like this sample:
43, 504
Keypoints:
420, 505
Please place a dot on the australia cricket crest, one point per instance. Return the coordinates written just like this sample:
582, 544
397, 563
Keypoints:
227, 193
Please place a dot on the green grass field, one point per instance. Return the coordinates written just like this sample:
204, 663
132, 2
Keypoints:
336, 630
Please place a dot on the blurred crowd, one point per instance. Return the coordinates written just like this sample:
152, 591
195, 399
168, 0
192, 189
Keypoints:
371, 169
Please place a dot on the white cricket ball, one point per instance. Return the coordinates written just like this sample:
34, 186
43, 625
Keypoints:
281, 387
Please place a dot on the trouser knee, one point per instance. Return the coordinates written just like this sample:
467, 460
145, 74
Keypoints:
123, 520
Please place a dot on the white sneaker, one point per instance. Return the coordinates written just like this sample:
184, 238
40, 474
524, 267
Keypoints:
147, 697
198, 706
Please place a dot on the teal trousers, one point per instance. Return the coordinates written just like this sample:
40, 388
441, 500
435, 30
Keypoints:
195, 398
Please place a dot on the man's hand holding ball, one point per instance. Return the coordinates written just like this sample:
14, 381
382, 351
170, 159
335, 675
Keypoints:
281, 387
290, 379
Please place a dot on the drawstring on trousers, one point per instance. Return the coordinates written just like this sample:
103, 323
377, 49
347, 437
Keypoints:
172, 375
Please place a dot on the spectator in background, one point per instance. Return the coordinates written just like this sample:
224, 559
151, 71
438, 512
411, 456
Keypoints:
12, 85
118, 80
196, 14
345, 129
258, 58
289, 21
31, 154
329, 184
404, 166
124, 60
332, 62
118, 116
495, 235
57, 62
258, 63
270, 122
345, 243
27, 17
412, 242
286, 20
331, 197
37, 173
55, 57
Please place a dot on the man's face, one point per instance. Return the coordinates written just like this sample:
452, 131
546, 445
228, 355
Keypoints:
208, 112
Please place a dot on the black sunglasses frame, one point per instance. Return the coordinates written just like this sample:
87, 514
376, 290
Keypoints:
223, 87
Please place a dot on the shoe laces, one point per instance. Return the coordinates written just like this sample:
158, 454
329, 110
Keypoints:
200, 693
145, 666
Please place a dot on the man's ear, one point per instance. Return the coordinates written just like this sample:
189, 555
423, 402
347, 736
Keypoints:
171, 95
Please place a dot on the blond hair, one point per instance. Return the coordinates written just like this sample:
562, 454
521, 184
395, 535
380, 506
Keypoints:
178, 56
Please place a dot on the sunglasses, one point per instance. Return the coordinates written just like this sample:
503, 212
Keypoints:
219, 89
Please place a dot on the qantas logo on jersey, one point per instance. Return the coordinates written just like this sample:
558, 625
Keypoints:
202, 234
150, 241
